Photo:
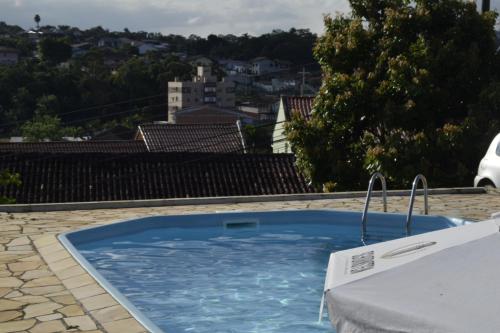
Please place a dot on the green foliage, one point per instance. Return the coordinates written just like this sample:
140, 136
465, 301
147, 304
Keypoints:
408, 87
46, 125
54, 50
258, 138
7, 178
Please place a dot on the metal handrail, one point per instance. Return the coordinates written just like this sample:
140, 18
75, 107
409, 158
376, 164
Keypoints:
412, 200
375, 176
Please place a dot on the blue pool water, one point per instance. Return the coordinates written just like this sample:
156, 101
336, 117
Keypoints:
255, 272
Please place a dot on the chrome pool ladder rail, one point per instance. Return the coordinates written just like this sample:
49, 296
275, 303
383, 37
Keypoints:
418, 178
374, 177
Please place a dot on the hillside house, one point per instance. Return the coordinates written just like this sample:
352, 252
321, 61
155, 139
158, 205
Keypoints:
8, 56
145, 47
289, 105
262, 65
234, 67
109, 42
80, 49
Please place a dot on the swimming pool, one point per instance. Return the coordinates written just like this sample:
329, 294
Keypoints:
229, 272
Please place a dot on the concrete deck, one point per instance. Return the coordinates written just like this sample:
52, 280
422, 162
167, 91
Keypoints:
43, 290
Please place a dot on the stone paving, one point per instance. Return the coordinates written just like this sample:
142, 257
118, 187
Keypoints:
44, 290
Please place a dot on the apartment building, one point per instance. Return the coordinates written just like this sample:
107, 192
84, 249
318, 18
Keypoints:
204, 89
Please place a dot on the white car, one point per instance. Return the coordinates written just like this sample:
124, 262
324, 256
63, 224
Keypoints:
488, 173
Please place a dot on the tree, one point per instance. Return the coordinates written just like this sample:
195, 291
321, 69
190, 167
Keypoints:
46, 125
403, 86
258, 138
37, 21
8, 178
54, 50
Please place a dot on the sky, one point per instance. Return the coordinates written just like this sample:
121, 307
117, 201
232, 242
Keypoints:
185, 17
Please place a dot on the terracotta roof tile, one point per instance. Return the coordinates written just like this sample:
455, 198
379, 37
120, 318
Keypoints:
303, 105
107, 177
206, 138
75, 147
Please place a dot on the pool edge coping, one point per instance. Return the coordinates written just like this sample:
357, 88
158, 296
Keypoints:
106, 285
51, 207
58, 244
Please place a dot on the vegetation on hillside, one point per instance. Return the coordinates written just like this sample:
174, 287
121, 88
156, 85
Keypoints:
87, 92
408, 87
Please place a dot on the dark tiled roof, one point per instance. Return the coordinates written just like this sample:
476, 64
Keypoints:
75, 147
203, 138
107, 177
295, 104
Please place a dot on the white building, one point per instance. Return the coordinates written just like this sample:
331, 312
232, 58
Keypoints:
289, 105
235, 67
262, 65
202, 90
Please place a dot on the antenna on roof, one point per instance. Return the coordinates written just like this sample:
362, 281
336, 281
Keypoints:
304, 73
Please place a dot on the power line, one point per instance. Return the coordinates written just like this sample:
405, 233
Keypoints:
86, 109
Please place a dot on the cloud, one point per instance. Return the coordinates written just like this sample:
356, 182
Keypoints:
193, 20
185, 17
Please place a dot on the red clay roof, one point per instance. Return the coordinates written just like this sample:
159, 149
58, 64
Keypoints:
303, 105
200, 138
49, 178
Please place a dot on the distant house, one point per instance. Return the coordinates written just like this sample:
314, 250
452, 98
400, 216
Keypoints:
234, 67
80, 49
8, 56
276, 85
289, 105
262, 65
265, 111
145, 47
201, 138
85, 177
109, 42
210, 114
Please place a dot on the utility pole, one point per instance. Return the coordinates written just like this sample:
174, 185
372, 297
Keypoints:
304, 73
